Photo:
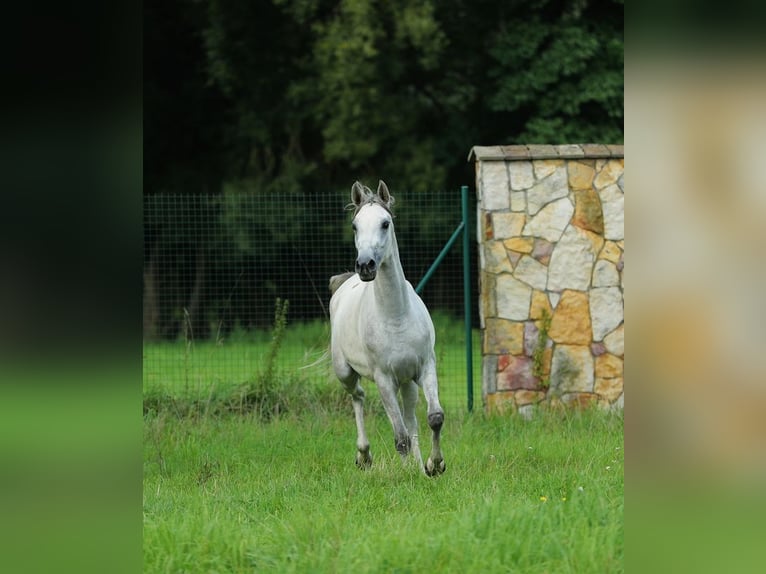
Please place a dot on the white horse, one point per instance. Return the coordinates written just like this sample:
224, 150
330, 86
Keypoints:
381, 330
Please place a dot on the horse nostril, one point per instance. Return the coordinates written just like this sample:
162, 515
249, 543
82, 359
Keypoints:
371, 265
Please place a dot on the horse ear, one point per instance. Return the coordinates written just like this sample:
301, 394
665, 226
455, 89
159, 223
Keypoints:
384, 194
357, 193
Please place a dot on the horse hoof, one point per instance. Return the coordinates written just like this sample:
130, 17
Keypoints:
363, 460
435, 469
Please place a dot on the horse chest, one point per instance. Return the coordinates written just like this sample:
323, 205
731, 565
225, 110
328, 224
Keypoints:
399, 347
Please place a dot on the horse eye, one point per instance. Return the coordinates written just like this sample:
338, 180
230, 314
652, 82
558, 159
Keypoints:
353, 226
385, 224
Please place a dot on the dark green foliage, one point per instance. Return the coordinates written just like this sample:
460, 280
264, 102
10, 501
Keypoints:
300, 98
289, 94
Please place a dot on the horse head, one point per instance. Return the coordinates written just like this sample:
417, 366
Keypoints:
373, 227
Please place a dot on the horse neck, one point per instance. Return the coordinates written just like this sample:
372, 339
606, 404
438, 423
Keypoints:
390, 285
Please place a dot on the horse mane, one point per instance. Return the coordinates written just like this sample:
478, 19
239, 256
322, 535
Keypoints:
337, 280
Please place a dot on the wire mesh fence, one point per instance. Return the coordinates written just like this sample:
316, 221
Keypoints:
217, 266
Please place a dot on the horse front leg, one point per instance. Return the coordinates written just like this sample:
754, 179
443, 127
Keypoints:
435, 464
410, 398
387, 387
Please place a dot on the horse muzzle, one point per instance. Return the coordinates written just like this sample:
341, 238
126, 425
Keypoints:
366, 269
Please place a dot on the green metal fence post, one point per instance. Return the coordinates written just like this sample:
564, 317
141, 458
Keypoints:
467, 297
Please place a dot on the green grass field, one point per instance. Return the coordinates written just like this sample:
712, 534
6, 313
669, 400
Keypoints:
232, 494
248, 467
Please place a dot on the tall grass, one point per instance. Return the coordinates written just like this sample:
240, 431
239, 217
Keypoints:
290, 361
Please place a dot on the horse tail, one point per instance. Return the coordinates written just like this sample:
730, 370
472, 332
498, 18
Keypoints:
337, 280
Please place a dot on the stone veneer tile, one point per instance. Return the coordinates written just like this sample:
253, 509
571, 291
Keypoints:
522, 176
540, 305
520, 244
496, 257
527, 397
571, 264
542, 250
544, 168
611, 252
605, 274
487, 230
608, 366
572, 369
531, 272
609, 174
606, 310
613, 202
615, 341
547, 189
517, 374
506, 225
500, 403
513, 298
489, 374
519, 201
570, 323
503, 337
495, 186
487, 303
531, 334
551, 221
611, 389
580, 174
588, 211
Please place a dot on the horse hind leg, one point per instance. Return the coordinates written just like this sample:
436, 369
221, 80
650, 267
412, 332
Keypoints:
435, 464
387, 388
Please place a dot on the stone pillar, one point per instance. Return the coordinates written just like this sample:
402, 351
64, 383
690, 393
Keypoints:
551, 244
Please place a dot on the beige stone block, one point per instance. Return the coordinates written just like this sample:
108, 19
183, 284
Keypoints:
540, 305
495, 186
520, 244
571, 319
487, 306
611, 252
610, 388
580, 175
521, 174
513, 298
531, 272
613, 205
608, 366
545, 167
496, 258
588, 214
503, 337
615, 341
507, 225
609, 173
571, 264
